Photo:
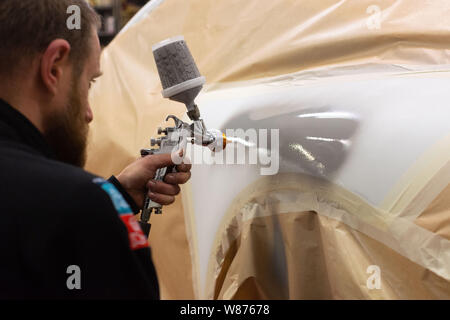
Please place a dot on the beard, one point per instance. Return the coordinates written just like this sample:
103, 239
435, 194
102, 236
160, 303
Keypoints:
66, 130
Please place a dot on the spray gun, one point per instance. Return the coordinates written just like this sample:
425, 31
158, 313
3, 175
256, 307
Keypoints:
182, 82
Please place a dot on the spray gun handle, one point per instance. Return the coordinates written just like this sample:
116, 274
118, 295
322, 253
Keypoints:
176, 138
170, 142
151, 206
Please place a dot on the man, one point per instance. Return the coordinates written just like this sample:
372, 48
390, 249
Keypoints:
65, 233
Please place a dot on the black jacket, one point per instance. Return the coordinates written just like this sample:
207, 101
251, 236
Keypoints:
62, 227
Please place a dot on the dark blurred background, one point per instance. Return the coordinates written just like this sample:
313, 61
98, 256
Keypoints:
115, 14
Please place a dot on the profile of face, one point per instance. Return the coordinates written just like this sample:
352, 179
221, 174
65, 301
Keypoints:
66, 127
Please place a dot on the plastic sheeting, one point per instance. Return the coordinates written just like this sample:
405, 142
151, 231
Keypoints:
234, 41
289, 237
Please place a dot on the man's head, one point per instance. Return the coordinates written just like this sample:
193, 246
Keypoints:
48, 68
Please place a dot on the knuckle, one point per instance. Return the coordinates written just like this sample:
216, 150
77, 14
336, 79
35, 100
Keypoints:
172, 191
177, 190
169, 178
153, 185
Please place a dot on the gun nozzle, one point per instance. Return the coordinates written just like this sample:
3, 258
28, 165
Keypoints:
220, 141
224, 141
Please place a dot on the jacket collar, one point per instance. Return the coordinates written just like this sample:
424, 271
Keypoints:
15, 127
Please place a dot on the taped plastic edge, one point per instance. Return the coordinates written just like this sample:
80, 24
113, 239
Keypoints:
411, 241
422, 182
321, 194
336, 73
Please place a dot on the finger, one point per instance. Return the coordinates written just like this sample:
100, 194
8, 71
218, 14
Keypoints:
161, 198
185, 167
156, 161
163, 188
177, 178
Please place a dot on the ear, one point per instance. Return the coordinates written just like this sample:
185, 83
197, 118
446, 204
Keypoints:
54, 62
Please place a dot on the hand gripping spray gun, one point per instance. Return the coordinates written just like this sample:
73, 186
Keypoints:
182, 82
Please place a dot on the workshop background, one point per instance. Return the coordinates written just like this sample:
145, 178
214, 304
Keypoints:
115, 14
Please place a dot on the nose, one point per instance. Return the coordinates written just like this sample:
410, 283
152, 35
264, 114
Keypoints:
89, 115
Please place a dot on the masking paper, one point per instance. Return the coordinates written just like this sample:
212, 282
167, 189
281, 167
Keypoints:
319, 242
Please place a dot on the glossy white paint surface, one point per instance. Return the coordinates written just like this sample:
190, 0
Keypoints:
362, 135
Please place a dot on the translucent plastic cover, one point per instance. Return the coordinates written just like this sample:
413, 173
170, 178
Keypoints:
381, 68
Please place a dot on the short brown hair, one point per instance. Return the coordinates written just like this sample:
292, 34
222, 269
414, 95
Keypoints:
27, 27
